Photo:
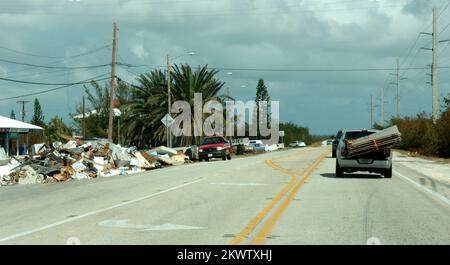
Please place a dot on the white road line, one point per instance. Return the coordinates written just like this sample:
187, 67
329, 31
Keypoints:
238, 184
25, 233
163, 227
435, 194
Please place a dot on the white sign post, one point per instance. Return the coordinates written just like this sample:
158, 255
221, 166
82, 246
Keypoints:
167, 120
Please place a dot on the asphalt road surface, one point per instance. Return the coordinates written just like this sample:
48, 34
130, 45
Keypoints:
283, 197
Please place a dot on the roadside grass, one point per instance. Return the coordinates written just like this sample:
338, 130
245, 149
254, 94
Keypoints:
416, 154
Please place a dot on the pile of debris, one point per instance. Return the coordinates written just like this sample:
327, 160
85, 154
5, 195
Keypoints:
78, 159
374, 142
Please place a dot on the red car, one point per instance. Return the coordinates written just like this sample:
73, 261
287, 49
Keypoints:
214, 147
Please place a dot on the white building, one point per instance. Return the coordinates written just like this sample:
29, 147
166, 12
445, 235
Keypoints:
14, 136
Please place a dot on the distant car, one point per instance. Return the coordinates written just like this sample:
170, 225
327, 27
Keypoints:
335, 142
329, 141
257, 147
214, 147
253, 142
297, 144
379, 161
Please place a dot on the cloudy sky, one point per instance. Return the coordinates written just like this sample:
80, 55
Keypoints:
285, 42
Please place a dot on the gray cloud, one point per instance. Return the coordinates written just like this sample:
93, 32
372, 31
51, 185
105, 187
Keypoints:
233, 33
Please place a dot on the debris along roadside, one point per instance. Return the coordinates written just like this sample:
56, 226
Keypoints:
78, 159
380, 140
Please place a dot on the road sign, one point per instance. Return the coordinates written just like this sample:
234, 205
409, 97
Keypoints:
167, 120
281, 133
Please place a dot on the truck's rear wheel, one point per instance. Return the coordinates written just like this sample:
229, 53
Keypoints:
333, 154
339, 171
388, 173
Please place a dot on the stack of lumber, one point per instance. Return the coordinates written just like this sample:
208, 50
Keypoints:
374, 142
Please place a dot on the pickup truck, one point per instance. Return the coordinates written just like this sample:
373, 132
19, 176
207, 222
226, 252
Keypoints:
214, 147
379, 161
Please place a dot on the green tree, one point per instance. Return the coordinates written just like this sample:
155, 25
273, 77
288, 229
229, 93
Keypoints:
294, 132
443, 129
98, 103
38, 117
12, 115
57, 130
148, 103
262, 94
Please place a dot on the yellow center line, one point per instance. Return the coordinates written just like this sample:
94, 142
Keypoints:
270, 223
245, 232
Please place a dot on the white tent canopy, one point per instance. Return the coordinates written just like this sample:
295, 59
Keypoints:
7, 124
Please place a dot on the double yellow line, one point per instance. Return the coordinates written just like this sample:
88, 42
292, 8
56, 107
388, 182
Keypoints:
270, 223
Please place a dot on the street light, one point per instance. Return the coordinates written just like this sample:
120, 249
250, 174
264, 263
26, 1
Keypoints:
169, 138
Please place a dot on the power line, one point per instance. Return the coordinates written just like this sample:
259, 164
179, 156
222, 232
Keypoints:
443, 9
54, 57
320, 70
37, 83
57, 88
298, 69
54, 67
60, 61
28, 54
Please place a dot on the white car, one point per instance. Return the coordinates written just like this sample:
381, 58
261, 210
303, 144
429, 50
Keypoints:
297, 144
377, 162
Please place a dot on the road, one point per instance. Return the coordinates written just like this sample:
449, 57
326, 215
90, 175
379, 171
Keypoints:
283, 197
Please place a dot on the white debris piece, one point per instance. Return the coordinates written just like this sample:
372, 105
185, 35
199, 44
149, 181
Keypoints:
2, 154
37, 148
69, 145
56, 144
99, 162
80, 175
271, 148
28, 175
79, 166
164, 150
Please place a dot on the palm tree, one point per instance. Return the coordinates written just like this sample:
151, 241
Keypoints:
98, 98
148, 104
141, 112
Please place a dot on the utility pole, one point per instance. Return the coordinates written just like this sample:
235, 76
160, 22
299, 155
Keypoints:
84, 120
382, 107
113, 82
169, 138
228, 98
398, 90
434, 82
371, 111
434, 65
397, 83
23, 112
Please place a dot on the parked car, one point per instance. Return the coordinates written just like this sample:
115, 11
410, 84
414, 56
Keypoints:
214, 147
297, 144
257, 147
335, 142
253, 142
379, 161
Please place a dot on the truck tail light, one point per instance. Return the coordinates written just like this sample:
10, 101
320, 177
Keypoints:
387, 152
343, 152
